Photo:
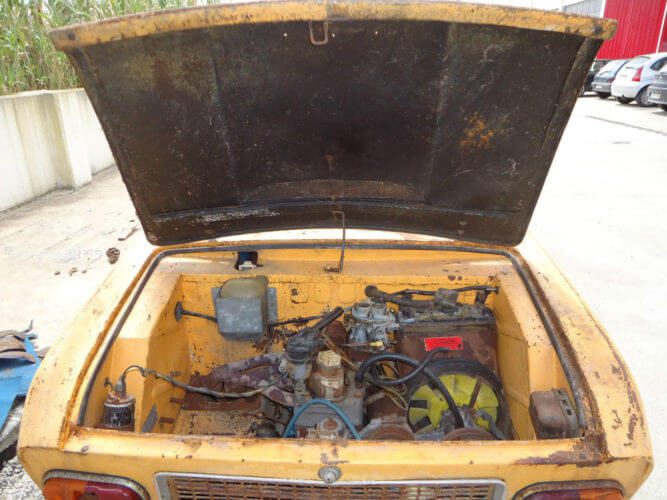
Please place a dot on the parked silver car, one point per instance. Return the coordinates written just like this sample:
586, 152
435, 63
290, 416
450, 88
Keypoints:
633, 80
604, 78
657, 92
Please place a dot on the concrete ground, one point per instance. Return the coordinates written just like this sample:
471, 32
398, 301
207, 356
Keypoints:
601, 218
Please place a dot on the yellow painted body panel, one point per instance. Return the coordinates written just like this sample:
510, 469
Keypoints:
615, 446
139, 25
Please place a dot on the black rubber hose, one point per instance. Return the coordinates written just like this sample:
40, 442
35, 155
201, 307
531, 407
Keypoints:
418, 368
374, 292
295, 321
328, 318
179, 312
413, 373
470, 288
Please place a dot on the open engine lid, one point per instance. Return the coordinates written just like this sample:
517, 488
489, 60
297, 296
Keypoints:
425, 117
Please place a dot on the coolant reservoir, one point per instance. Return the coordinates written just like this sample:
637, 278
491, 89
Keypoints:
241, 308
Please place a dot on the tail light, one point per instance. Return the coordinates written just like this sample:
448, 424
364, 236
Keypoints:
555, 492
61, 488
638, 74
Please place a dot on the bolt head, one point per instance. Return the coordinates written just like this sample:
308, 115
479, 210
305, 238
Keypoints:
329, 474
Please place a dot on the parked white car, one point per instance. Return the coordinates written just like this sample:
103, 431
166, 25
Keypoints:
633, 80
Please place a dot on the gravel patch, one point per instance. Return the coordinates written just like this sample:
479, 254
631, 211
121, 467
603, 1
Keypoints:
15, 484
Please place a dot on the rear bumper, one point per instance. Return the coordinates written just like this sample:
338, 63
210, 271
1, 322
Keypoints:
627, 90
172, 467
657, 94
602, 87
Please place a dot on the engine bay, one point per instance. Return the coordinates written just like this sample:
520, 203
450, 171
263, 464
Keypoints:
409, 364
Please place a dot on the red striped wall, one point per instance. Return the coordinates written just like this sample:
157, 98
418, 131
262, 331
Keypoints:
639, 24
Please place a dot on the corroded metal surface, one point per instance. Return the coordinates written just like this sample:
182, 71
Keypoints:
423, 117
139, 25
478, 341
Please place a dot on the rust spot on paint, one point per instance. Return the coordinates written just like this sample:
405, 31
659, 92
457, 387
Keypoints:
476, 135
324, 458
617, 420
631, 427
584, 453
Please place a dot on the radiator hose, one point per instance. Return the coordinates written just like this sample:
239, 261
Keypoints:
418, 368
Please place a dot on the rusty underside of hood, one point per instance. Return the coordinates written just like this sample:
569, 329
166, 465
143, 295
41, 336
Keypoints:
426, 117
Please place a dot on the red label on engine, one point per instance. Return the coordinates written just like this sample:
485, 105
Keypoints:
453, 343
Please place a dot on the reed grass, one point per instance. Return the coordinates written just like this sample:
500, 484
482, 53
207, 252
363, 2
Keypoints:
28, 60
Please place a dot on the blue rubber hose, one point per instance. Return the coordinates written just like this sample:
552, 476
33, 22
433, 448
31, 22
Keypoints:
291, 426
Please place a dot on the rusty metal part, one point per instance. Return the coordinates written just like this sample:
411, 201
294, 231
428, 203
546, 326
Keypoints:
438, 172
380, 405
469, 434
390, 428
192, 401
141, 25
266, 430
552, 414
336, 332
330, 428
478, 341
254, 372
13, 333
13, 347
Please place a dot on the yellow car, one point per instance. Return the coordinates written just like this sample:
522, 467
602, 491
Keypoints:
460, 365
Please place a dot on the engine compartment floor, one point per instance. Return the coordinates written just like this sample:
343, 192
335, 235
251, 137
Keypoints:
218, 423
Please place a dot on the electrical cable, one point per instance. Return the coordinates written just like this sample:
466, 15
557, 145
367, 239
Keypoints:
418, 368
291, 425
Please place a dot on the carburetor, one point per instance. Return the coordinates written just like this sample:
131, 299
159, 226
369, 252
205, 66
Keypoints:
370, 323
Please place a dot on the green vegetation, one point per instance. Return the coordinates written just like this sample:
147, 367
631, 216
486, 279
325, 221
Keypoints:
28, 60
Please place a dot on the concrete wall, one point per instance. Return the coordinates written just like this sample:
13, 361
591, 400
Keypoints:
586, 8
48, 140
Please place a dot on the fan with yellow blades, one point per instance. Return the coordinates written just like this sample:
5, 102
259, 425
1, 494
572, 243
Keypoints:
474, 388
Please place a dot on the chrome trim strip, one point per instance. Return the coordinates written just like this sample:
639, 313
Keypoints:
499, 493
103, 478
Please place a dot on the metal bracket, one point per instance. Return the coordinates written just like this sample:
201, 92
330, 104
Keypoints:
341, 261
325, 33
